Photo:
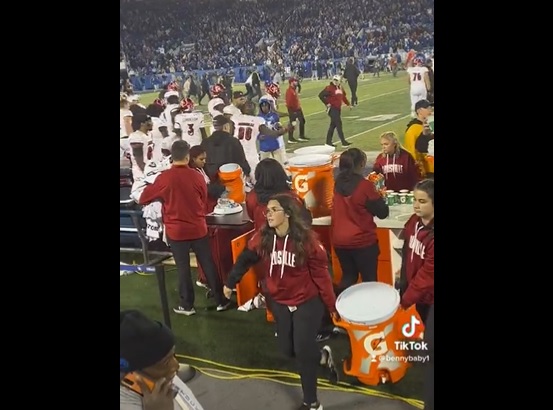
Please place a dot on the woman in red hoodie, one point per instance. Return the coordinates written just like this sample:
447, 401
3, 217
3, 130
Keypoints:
300, 287
396, 164
417, 269
353, 232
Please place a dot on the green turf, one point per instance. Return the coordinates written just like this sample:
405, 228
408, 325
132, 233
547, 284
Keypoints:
233, 337
386, 96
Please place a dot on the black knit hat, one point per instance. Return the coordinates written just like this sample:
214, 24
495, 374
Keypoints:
142, 342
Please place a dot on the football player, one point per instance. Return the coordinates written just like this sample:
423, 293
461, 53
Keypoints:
247, 128
189, 124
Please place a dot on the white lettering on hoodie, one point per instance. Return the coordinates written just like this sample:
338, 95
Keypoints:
416, 246
282, 257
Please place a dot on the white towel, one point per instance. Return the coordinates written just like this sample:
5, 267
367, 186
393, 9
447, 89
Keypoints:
431, 148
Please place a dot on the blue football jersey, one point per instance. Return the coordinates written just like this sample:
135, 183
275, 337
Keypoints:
267, 143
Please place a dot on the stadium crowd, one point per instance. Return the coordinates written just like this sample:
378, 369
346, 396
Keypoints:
212, 34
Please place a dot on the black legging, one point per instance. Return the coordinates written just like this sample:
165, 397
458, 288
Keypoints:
297, 333
335, 124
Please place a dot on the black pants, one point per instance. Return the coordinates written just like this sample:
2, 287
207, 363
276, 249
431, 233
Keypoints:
423, 311
297, 332
353, 89
353, 262
429, 375
181, 254
335, 124
297, 115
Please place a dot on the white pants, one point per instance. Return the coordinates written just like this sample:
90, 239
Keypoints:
417, 94
278, 154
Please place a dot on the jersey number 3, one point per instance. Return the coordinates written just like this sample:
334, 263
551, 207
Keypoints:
245, 133
191, 129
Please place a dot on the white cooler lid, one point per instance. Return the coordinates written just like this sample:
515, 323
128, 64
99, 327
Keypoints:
310, 160
368, 303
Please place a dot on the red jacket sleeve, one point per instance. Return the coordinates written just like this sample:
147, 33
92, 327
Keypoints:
413, 171
423, 280
251, 202
318, 269
155, 191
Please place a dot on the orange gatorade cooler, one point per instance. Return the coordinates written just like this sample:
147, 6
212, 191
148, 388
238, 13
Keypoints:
232, 177
371, 314
313, 181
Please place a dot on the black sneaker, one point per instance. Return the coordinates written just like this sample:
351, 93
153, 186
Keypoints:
331, 145
314, 406
327, 361
346, 143
292, 140
224, 306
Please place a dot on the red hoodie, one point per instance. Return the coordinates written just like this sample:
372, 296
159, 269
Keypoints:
183, 193
418, 261
335, 96
288, 282
355, 204
400, 170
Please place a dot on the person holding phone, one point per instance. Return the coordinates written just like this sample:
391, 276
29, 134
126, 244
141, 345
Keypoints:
148, 366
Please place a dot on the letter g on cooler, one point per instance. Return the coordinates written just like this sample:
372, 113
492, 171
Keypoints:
409, 329
380, 349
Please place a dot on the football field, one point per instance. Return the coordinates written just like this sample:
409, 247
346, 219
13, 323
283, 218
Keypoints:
384, 105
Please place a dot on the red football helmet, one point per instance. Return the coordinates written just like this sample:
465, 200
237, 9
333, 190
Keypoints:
217, 90
159, 101
273, 90
186, 105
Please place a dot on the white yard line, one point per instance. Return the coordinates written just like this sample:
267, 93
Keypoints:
379, 126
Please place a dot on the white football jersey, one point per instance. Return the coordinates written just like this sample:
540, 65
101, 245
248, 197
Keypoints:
211, 107
233, 109
122, 114
138, 137
157, 138
246, 129
165, 119
417, 76
190, 123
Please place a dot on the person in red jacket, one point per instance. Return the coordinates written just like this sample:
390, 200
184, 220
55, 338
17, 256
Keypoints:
183, 193
353, 231
396, 164
417, 268
333, 96
294, 110
299, 284
270, 179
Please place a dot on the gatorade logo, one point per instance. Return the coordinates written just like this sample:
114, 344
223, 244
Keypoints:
375, 345
301, 182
